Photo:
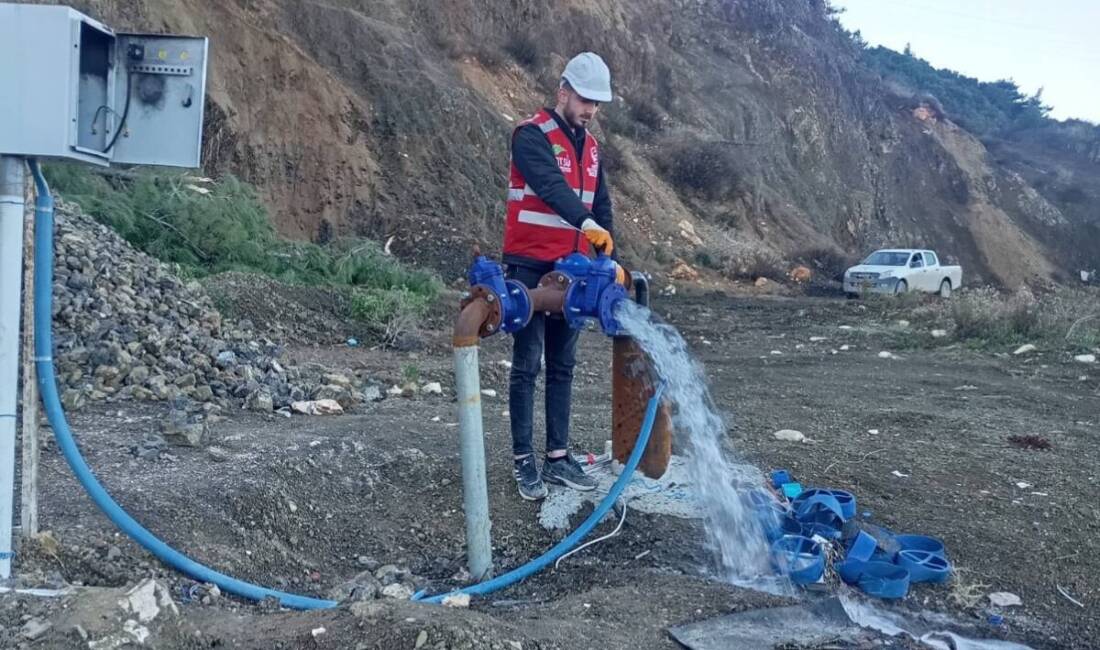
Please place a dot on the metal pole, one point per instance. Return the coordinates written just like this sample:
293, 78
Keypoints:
475, 488
28, 436
12, 174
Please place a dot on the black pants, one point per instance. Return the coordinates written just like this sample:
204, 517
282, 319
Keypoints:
560, 342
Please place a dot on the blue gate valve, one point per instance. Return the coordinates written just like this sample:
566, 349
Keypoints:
515, 303
593, 294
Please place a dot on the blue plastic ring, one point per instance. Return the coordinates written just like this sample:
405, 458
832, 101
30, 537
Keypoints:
816, 501
800, 558
847, 502
924, 566
850, 570
920, 543
884, 580
862, 548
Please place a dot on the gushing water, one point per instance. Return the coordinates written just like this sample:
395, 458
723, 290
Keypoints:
718, 477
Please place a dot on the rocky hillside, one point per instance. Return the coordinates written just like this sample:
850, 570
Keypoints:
743, 129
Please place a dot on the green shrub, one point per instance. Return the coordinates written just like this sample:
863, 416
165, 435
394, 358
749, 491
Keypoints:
525, 49
645, 111
739, 260
694, 165
827, 263
207, 227
986, 316
389, 312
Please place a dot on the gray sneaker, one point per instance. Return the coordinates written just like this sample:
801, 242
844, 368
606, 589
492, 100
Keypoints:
528, 480
568, 472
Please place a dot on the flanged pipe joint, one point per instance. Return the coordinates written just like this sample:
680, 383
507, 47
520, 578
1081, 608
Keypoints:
583, 290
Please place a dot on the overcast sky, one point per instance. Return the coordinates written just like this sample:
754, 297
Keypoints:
1053, 44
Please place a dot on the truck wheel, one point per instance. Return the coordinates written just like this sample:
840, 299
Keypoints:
945, 289
901, 287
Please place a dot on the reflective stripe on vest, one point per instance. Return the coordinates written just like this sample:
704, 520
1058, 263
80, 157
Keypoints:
543, 219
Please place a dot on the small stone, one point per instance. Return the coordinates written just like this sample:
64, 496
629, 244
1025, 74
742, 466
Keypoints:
394, 391
886, 355
1005, 599
260, 401
35, 629
336, 379
369, 563
317, 407
433, 388
939, 334
362, 587
218, 454
903, 323
397, 591
113, 553
488, 392
373, 394
817, 339
457, 600
189, 434
789, 435
203, 393
226, 360
316, 632
1085, 358
1024, 349
421, 639
388, 574
760, 282
139, 375
72, 399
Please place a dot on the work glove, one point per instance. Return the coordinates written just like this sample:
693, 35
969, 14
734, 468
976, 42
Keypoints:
620, 275
598, 236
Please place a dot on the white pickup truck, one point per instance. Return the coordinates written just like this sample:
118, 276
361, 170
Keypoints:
900, 271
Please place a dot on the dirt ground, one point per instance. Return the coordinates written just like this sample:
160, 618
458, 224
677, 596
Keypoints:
305, 503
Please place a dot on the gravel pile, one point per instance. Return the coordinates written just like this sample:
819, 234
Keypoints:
127, 328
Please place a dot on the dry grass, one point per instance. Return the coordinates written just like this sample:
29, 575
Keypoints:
737, 259
1064, 319
966, 593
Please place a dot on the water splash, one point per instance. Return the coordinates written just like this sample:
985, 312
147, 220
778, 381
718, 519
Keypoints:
718, 477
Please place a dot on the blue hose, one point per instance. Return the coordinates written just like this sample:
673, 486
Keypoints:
47, 386
562, 547
43, 349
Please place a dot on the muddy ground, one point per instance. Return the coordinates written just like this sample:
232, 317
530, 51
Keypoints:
306, 503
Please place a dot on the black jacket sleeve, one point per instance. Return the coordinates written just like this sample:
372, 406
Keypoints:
535, 160
601, 205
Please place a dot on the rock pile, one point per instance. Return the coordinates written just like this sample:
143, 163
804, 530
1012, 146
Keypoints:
126, 328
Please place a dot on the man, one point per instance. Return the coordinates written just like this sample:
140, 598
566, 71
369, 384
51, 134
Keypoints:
557, 204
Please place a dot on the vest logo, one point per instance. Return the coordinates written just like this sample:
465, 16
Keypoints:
558, 149
566, 164
594, 170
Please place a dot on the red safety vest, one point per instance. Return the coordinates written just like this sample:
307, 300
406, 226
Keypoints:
531, 228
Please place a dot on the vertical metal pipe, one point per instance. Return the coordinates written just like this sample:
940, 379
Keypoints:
475, 490
12, 174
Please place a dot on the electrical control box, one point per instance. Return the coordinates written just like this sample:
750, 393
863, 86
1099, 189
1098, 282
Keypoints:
72, 88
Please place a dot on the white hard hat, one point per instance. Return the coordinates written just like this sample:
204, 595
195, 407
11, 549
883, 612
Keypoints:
589, 76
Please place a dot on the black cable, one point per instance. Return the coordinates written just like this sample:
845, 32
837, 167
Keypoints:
125, 112
95, 117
